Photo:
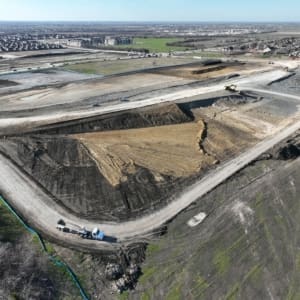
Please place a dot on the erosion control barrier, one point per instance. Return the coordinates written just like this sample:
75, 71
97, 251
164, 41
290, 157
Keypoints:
52, 258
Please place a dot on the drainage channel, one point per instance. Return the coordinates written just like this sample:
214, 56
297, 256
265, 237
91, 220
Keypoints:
53, 259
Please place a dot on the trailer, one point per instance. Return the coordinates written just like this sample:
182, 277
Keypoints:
84, 233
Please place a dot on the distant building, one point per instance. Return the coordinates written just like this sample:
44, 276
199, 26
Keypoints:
113, 41
109, 41
97, 42
78, 43
266, 50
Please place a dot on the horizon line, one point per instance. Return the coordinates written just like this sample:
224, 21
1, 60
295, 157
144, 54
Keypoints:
155, 21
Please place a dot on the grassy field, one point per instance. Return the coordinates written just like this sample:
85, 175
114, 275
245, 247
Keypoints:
154, 44
120, 66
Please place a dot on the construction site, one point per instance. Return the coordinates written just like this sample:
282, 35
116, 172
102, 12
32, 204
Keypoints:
168, 177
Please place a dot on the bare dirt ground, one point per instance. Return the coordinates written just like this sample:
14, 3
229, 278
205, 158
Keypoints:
24, 110
29, 80
79, 91
46, 59
173, 150
22, 187
140, 140
234, 130
74, 92
211, 71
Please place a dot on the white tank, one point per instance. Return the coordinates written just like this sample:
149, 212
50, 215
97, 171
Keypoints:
95, 232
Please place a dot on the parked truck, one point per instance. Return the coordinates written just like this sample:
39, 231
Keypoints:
95, 234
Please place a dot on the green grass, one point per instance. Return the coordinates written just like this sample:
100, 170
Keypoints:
50, 248
121, 66
147, 274
145, 296
152, 248
154, 44
201, 285
10, 227
124, 295
298, 262
254, 274
232, 294
174, 293
222, 261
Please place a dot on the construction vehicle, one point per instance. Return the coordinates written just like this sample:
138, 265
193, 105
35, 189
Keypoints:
96, 234
231, 88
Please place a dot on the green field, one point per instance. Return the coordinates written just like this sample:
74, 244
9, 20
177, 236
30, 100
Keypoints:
120, 66
154, 44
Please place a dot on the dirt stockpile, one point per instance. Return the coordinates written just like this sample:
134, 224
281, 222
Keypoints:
203, 72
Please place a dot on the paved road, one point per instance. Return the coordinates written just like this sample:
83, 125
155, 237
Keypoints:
36, 206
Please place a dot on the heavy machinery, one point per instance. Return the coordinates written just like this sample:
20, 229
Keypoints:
231, 88
96, 234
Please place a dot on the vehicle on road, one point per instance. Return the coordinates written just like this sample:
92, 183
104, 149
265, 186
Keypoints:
231, 88
96, 234
196, 220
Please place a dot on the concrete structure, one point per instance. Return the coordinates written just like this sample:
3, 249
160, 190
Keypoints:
78, 43
113, 41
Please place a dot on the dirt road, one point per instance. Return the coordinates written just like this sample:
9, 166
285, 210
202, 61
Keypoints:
34, 121
272, 93
41, 211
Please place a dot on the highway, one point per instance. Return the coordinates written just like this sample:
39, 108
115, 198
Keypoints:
41, 211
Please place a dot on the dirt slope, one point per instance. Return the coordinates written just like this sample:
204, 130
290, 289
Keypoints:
172, 150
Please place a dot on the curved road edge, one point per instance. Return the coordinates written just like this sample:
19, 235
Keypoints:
41, 211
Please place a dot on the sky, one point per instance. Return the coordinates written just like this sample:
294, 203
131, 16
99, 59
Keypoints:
151, 10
